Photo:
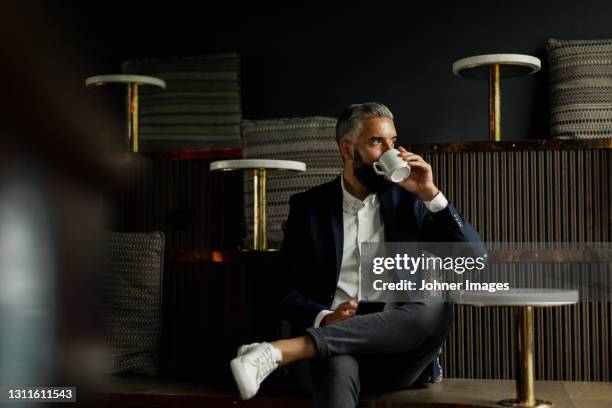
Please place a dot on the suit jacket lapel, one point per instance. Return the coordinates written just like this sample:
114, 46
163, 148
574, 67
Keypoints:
387, 207
337, 222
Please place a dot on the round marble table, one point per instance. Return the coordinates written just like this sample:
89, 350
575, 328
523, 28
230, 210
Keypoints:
494, 67
132, 82
259, 168
124, 79
524, 300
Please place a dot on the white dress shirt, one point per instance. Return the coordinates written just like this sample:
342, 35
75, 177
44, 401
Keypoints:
362, 221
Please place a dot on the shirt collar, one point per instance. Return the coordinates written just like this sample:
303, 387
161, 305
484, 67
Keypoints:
352, 203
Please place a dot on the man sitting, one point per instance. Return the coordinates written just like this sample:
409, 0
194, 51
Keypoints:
325, 226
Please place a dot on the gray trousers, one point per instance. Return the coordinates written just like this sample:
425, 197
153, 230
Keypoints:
382, 351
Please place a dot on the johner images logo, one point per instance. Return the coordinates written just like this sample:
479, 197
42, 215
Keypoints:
405, 271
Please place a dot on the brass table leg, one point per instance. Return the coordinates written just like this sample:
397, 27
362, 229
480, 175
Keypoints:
524, 364
132, 119
494, 103
260, 242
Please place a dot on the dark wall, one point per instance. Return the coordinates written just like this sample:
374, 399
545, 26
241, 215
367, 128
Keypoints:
317, 58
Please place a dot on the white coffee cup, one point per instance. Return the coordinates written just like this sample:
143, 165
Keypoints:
390, 164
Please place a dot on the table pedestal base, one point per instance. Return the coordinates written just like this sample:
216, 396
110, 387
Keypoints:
518, 403
525, 370
248, 248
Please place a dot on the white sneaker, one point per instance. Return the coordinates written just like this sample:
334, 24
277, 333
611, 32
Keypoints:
252, 367
246, 347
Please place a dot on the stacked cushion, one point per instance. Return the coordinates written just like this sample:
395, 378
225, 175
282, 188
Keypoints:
200, 107
132, 301
310, 140
580, 88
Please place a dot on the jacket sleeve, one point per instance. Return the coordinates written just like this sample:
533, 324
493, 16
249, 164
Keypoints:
448, 225
298, 309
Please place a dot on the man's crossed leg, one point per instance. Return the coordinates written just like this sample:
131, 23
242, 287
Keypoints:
398, 344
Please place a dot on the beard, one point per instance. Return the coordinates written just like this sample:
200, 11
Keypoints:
365, 173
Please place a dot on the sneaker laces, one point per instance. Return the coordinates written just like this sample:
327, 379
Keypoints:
265, 364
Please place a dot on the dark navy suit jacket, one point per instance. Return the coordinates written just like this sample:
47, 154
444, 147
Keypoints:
314, 238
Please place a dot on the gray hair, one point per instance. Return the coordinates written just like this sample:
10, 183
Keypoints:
349, 122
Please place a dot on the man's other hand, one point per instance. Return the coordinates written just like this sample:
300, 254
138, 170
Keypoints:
344, 311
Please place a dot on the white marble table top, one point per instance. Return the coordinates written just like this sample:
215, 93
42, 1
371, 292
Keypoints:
125, 79
516, 297
244, 164
511, 65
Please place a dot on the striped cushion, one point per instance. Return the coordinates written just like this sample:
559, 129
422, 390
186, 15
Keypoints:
200, 107
132, 301
310, 140
580, 88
